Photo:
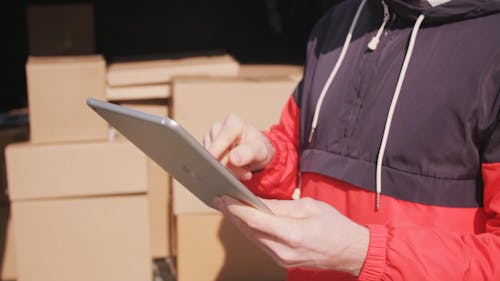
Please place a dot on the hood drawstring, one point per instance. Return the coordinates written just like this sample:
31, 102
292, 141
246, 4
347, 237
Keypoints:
372, 45
374, 42
395, 97
334, 71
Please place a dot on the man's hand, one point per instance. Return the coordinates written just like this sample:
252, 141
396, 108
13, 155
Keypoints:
247, 148
302, 233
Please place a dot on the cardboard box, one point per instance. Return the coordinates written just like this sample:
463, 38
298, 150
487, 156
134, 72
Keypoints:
139, 92
81, 239
7, 136
159, 203
61, 29
36, 171
271, 70
210, 248
162, 70
198, 102
159, 188
8, 265
57, 91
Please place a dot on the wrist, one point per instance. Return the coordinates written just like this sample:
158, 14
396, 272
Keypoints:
357, 251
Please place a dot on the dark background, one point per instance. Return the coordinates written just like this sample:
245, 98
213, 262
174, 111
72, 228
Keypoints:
253, 31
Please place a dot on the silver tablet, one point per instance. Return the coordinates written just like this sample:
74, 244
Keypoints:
177, 152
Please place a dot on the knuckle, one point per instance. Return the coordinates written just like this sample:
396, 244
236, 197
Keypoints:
252, 224
233, 121
206, 140
246, 152
286, 258
308, 205
260, 150
295, 239
215, 128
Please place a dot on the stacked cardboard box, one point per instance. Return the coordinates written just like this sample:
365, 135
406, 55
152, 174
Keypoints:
79, 201
80, 211
145, 84
202, 238
57, 90
8, 268
150, 78
257, 99
158, 185
90, 207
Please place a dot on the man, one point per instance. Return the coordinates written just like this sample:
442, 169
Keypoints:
393, 138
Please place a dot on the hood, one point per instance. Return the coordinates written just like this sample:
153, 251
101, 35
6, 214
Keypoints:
452, 10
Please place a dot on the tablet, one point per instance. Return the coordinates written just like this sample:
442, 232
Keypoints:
168, 144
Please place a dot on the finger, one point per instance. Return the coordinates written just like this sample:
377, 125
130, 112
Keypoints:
227, 136
215, 130
263, 240
298, 209
207, 140
275, 226
280, 250
240, 173
246, 154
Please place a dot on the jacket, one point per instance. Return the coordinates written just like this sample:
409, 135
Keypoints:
396, 124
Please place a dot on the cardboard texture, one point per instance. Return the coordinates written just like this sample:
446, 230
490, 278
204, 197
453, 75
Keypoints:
211, 248
199, 102
159, 210
139, 92
57, 91
60, 29
8, 264
162, 71
74, 169
7, 136
82, 239
271, 70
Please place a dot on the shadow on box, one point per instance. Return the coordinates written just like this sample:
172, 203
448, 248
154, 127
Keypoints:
4, 222
14, 127
241, 252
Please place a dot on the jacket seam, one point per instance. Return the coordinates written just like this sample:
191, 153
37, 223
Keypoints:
396, 169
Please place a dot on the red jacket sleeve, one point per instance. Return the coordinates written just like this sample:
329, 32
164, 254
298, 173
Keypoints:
278, 179
413, 253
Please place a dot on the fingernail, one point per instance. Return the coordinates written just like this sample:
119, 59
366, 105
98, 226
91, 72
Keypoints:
246, 176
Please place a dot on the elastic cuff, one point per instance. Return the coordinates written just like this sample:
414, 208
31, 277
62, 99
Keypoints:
276, 157
374, 266
271, 166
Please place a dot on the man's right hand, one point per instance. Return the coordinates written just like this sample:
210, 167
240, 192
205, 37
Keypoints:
247, 148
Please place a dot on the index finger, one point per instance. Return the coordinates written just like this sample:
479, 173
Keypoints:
275, 226
227, 137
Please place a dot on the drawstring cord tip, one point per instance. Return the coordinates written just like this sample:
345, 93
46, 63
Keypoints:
311, 134
377, 203
373, 44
